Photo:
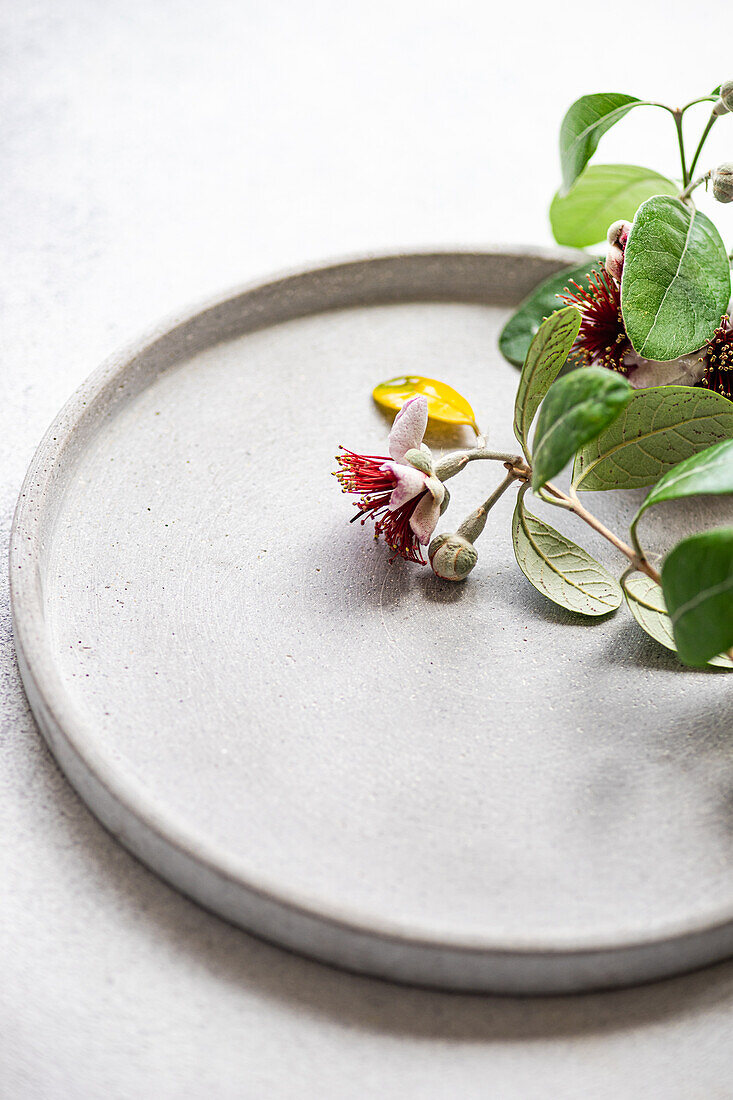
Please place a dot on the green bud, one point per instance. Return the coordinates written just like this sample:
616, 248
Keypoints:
726, 94
421, 460
725, 103
723, 182
452, 557
450, 465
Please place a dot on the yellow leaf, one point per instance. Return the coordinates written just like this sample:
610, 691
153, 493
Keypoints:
444, 403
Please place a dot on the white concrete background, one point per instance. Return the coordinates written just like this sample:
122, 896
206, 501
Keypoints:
155, 152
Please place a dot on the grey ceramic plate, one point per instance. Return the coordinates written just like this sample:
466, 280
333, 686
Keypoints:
461, 786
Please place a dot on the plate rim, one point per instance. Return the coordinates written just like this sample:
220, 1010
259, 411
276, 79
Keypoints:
114, 799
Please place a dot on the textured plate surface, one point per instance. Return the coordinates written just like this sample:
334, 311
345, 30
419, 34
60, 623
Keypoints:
461, 786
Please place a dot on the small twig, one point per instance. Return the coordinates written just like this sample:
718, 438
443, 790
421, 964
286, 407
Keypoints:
519, 469
706, 131
572, 503
677, 115
670, 110
557, 503
474, 524
684, 195
702, 99
455, 461
500, 489
495, 456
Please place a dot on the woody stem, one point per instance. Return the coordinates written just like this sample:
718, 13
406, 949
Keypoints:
573, 504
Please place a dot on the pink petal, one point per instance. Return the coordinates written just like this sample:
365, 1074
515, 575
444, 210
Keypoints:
410, 483
408, 427
425, 518
615, 262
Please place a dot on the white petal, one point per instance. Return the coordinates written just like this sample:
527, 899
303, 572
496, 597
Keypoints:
410, 483
685, 371
408, 427
437, 488
425, 518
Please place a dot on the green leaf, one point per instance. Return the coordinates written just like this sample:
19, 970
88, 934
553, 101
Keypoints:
646, 603
605, 193
659, 427
585, 123
516, 336
707, 472
546, 356
645, 600
559, 569
676, 281
697, 581
577, 408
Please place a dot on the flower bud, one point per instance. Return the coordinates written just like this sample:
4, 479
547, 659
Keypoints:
450, 465
420, 460
723, 182
618, 235
452, 557
725, 103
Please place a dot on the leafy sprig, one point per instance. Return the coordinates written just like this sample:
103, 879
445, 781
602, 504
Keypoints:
618, 436
676, 281
656, 310
676, 438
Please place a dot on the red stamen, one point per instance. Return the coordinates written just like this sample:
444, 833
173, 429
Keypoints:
362, 474
602, 337
718, 374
